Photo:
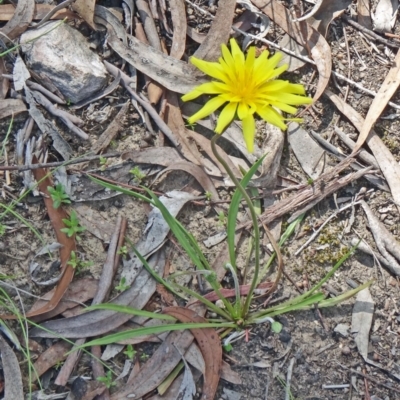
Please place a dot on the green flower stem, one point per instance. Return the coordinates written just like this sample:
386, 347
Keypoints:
253, 214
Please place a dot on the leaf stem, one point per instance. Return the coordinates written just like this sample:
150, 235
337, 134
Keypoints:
253, 214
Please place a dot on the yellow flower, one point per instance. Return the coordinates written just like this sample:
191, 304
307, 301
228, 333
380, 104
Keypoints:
249, 86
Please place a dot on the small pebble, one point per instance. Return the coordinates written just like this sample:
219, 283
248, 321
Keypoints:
346, 350
2, 246
285, 336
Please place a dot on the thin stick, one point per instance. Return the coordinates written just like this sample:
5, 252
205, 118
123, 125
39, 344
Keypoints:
317, 232
56, 163
289, 378
370, 33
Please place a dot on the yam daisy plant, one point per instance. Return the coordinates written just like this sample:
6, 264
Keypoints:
246, 85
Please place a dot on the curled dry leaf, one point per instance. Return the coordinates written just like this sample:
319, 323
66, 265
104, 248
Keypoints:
85, 8
319, 48
78, 291
22, 17
7, 11
327, 11
210, 48
210, 346
197, 173
178, 16
11, 107
53, 355
386, 91
12, 373
175, 75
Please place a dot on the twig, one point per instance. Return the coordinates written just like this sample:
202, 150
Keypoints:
147, 106
311, 13
47, 93
289, 378
41, 99
56, 163
370, 33
317, 232
62, 5
362, 88
333, 387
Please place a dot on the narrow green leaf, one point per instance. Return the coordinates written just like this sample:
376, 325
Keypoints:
129, 310
234, 209
154, 330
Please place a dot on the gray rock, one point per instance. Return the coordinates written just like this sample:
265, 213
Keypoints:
342, 329
64, 56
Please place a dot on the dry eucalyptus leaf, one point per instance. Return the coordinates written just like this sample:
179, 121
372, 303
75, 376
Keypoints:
308, 153
175, 75
361, 322
385, 14
328, 11
12, 373
22, 17
85, 8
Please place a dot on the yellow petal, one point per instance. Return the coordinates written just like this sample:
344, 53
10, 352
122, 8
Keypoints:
191, 95
229, 71
283, 107
294, 99
276, 85
250, 59
277, 71
209, 68
226, 117
295, 88
249, 129
273, 117
207, 109
210, 88
237, 53
227, 56
243, 110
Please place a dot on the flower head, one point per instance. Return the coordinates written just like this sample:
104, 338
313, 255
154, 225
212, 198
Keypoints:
248, 86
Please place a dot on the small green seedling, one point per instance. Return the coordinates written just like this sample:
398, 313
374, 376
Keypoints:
123, 251
103, 163
76, 263
107, 380
227, 347
137, 173
190, 126
208, 196
72, 226
130, 352
58, 195
144, 356
2, 229
122, 286
222, 219
73, 260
